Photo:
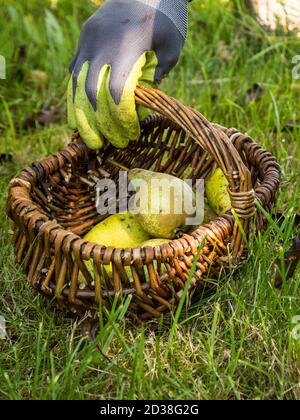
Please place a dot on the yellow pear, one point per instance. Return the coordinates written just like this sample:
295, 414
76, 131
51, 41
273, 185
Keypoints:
217, 192
154, 242
161, 202
209, 214
117, 231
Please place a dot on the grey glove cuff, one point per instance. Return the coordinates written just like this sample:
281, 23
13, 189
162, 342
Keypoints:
175, 10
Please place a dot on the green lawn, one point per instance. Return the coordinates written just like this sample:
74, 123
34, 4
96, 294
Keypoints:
235, 344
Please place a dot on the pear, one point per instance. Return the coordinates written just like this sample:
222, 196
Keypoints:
209, 214
154, 242
161, 202
217, 193
117, 231
120, 230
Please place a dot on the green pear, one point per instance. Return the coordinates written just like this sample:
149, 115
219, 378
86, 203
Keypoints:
120, 230
117, 231
161, 202
154, 242
217, 193
209, 214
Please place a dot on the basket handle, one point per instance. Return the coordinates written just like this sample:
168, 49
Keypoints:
220, 148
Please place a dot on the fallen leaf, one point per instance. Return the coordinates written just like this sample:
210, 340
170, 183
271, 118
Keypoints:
291, 260
19, 60
6, 157
223, 52
44, 117
53, 5
254, 93
97, 2
90, 330
291, 125
279, 217
38, 77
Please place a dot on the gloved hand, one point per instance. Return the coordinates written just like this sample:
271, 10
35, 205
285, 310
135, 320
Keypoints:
124, 44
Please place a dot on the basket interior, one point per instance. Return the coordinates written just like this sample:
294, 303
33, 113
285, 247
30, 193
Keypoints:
71, 190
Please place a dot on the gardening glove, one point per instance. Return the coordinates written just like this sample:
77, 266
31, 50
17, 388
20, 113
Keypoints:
124, 44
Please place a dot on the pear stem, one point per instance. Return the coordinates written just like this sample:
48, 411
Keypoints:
118, 165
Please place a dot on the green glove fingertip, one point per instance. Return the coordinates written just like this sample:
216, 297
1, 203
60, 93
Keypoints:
70, 106
120, 123
111, 116
146, 80
85, 115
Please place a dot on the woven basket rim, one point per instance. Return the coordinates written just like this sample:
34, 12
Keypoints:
187, 241
194, 239
173, 112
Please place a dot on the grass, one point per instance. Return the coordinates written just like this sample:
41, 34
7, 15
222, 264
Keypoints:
235, 344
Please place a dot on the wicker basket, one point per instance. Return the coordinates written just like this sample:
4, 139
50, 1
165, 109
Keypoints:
52, 206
